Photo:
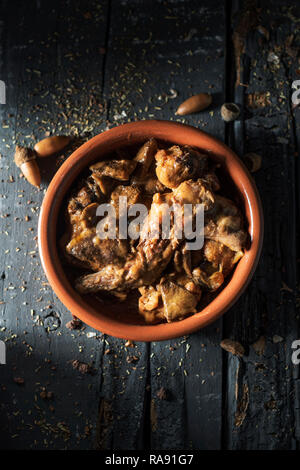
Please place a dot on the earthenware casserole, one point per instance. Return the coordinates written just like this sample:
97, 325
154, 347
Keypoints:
99, 147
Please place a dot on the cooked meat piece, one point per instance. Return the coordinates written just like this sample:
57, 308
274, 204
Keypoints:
93, 185
145, 157
177, 164
150, 304
132, 193
88, 217
117, 169
151, 297
84, 248
159, 179
212, 181
182, 260
146, 152
220, 256
152, 185
218, 261
209, 281
134, 273
104, 183
142, 268
84, 197
194, 192
193, 288
153, 253
224, 224
174, 298
186, 260
95, 253
177, 300
186, 281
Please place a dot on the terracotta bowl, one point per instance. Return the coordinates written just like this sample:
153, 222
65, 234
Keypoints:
98, 147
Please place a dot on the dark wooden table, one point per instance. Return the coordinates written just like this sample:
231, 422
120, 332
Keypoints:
79, 67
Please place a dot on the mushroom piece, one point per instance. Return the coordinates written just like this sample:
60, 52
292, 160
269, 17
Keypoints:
145, 157
105, 183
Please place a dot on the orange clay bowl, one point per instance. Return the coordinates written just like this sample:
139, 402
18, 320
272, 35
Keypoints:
100, 317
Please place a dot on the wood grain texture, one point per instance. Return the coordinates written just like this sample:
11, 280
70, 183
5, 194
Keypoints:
178, 48
45, 67
81, 67
268, 308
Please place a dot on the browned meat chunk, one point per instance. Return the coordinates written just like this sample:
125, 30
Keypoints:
152, 256
224, 224
132, 193
174, 298
117, 169
210, 281
177, 300
217, 263
142, 268
84, 197
177, 164
94, 252
212, 181
84, 247
145, 175
220, 256
194, 192
153, 185
169, 276
150, 304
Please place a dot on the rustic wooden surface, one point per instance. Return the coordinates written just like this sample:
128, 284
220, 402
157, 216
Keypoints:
81, 67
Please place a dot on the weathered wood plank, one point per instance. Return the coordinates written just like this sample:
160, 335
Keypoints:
184, 43
50, 79
146, 63
155, 61
268, 307
122, 396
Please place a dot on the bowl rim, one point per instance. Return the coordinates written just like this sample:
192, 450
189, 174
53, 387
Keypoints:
111, 139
